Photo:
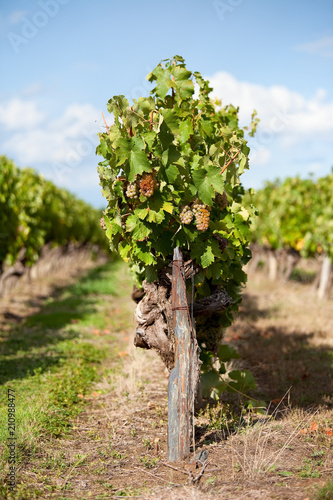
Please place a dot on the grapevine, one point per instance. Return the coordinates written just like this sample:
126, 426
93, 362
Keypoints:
180, 156
35, 212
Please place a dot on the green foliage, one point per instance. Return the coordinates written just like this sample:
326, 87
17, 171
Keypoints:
35, 212
215, 381
325, 492
170, 150
149, 463
296, 213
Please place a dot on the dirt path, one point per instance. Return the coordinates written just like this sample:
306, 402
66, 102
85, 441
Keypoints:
118, 445
285, 338
30, 294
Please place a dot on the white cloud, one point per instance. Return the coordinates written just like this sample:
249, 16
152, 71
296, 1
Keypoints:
294, 134
260, 156
18, 114
292, 128
322, 47
62, 145
75, 119
281, 111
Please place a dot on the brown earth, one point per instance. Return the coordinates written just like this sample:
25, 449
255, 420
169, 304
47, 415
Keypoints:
118, 445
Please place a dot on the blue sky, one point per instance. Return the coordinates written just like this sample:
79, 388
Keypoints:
62, 60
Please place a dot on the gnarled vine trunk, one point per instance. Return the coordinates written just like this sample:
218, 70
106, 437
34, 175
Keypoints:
154, 316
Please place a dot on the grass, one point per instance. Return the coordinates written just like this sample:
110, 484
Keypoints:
303, 275
325, 492
91, 409
54, 357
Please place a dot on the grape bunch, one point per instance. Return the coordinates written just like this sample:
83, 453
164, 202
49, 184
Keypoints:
102, 223
222, 200
202, 214
131, 191
147, 185
186, 215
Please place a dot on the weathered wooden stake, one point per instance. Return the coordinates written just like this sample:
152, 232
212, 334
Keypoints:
324, 277
183, 377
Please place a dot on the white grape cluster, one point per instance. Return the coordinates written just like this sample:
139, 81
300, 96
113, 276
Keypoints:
102, 223
186, 215
131, 190
202, 214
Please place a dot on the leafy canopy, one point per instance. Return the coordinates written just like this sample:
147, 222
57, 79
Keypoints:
195, 150
170, 172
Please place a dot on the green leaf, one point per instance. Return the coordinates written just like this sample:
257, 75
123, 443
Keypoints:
163, 80
242, 380
204, 186
151, 274
170, 155
207, 257
117, 105
124, 250
140, 232
214, 176
171, 119
182, 83
165, 135
207, 126
138, 163
103, 148
141, 213
209, 380
167, 207
146, 104
131, 222
146, 257
171, 173
286, 473
122, 150
186, 130
227, 353
154, 216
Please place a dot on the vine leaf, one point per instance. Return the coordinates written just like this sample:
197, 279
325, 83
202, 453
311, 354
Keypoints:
207, 257
204, 186
140, 231
138, 163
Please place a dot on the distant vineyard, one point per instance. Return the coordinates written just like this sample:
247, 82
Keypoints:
34, 212
295, 220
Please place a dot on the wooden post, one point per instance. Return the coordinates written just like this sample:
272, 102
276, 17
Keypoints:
324, 277
183, 377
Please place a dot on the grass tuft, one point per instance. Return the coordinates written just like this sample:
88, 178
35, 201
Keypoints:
52, 359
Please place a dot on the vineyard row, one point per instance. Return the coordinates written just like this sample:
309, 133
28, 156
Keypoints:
35, 212
295, 220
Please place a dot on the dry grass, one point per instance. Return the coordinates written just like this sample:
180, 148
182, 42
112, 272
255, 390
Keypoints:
118, 445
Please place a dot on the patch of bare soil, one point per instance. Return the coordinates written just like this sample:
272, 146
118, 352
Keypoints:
118, 446
30, 293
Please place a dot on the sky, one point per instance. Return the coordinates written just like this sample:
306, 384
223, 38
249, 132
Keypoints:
62, 60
